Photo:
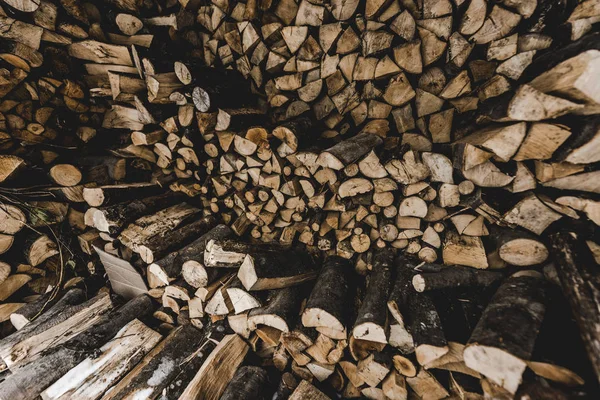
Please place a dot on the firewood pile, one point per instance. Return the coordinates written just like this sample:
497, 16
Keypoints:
381, 199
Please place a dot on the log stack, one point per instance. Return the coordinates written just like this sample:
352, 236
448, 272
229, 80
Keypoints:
370, 196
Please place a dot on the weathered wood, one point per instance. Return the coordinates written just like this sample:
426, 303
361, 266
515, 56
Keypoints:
327, 305
151, 375
218, 369
579, 288
281, 311
503, 340
93, 376
247, 383
36, 376
371, 320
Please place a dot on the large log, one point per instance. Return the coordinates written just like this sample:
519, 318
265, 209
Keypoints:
371, 320
327, 305
503, 340
166, 358
576, 274
29, 381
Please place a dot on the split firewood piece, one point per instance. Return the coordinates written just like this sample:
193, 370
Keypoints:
591, 208
375, 368
247, 384
12, 219
541, 141
175, 348
581, 150
574, 264
408, 170
11, 284
218, 369
585, 182
239, 298
93, 376
532, 214
454, 277
572, 78
307, 391
424, 384
497, 351
371, 321
38, 248
9, 165
281, 311
54, 314
275, 270
555, 373
490, 30
503, 141
326, 307
348, 151
112, 219
464, 250
38, 375
529, 104
518, 248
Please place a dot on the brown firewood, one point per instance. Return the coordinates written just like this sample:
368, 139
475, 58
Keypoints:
425, 384
307, 391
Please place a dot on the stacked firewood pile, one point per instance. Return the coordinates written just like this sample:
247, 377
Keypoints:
378, 208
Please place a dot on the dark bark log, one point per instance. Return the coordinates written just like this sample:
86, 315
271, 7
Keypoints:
454, 276
29, 311
248, 383
281, 312
503, 340
32, 378
107, 195
327, 306
159, 366
170, 266
223, 88
579, 281
286, 386
60, 311
159, 246
426, 328
113, 219
276, 270
371, 321
230, 253
211, 335
348, 151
